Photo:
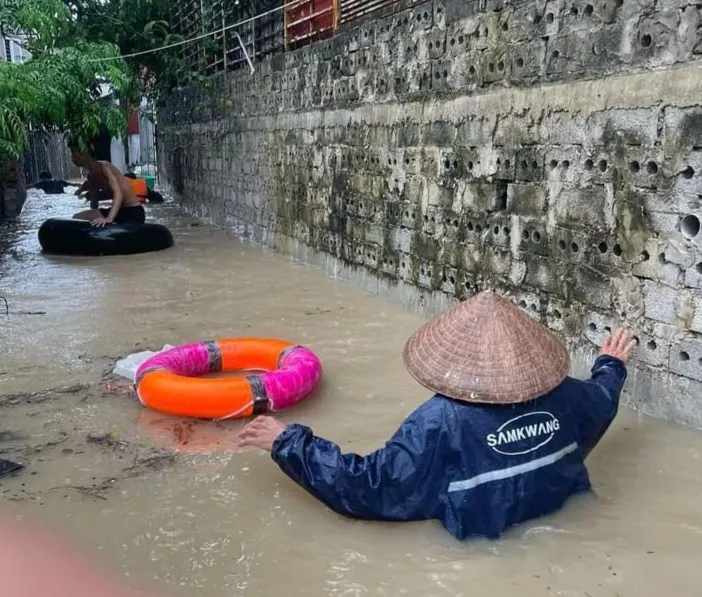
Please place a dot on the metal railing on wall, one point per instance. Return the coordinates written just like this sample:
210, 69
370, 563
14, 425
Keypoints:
295, 23
354, 12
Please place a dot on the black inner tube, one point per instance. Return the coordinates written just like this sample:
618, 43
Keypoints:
78, 237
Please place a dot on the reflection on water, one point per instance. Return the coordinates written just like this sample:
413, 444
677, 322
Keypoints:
222, 522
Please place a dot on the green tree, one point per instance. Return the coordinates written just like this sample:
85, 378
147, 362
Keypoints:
61, 88
136, 26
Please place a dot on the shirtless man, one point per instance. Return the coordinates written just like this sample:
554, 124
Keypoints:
103, 176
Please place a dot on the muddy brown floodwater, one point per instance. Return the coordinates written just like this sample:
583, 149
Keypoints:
173, 503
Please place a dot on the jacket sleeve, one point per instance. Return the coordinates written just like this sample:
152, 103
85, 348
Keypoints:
600, 401
398, 482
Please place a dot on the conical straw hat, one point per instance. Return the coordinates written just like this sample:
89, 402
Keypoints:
486, 350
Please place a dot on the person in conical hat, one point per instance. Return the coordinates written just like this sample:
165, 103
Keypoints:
503, 439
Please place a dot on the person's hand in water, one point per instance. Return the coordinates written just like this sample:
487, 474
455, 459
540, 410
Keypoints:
101, 221
261, 433
618, 345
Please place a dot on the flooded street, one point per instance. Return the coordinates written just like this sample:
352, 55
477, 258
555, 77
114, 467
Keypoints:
177, 506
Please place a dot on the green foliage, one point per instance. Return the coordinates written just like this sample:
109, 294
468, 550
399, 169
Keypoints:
136, 26
60, 88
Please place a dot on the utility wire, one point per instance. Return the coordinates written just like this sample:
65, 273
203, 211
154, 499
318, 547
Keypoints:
199, 37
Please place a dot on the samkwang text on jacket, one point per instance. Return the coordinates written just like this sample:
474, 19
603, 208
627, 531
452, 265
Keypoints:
476, 468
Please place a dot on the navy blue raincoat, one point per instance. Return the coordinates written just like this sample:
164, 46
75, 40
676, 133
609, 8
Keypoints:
476, 468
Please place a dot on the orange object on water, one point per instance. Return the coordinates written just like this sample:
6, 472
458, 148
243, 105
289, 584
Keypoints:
171, 381
138, 186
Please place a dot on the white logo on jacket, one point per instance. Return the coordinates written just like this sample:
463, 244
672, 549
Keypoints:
523, 434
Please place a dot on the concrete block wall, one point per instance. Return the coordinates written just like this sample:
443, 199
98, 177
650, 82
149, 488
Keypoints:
550, 150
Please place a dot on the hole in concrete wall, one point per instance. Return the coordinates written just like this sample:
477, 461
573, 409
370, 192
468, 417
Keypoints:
645, 256
478, 228
574, 247
525, 235
470, 226
688, 172
557, 314
505, 26
634, 167
500, 66
550, 18
690, 226
470, 165
534, 166
589, 9
684, 356
505, 231
589, 164
602, 247
562, 245
608, 330
522, 304
661, 259
453, 41
617, 250
461, 39
566, 164
536, 236
471, 70
491, 67
496, 230
537, 19
553, 164
592, 326
574, 10
698, 267
455, 163
602, 165
555, 54
507, 163
520, 62
445, 73
652, 345
431, 45
452, 279
652, 168
646, 40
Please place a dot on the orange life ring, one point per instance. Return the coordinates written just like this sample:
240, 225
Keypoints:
172, 383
